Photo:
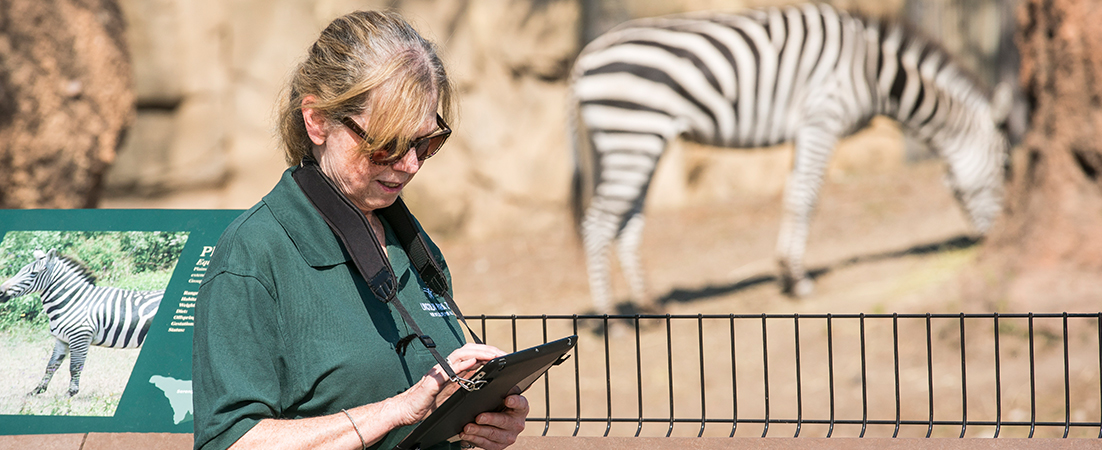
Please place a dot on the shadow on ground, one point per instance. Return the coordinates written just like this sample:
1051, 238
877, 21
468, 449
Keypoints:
678, 295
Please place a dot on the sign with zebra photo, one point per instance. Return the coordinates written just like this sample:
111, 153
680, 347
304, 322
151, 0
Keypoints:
96, 316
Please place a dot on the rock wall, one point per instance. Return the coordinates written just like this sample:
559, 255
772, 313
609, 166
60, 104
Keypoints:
208, 74
65, 100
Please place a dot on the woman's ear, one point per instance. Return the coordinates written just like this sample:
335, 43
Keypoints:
316, 125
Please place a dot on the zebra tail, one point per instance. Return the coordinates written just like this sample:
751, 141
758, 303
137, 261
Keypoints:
576, 209
582, 183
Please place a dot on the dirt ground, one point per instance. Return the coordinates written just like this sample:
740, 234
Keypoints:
891, 242
875, 242
25, 353
881, 243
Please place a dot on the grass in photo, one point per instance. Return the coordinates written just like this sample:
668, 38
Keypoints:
102, 290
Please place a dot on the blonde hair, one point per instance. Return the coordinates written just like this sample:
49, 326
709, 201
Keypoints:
366, 61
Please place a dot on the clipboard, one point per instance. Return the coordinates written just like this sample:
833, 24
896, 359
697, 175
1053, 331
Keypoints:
497, 379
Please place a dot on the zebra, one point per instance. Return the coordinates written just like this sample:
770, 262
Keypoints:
808, 74
81, 313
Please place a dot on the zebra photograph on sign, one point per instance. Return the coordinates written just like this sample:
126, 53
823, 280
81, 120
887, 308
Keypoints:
85, 297
806, 74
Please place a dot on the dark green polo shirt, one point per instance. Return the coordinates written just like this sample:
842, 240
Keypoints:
287, 328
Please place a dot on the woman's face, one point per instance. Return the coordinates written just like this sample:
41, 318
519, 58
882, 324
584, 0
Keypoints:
369, 186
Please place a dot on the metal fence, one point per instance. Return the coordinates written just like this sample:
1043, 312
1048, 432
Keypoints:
815, 375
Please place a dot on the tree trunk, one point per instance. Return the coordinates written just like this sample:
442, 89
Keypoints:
65, 100
1053, 220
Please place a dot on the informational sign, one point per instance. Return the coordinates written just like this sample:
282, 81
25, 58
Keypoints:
96, 317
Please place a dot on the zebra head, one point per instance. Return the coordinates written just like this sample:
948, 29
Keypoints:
30, 277
979, 161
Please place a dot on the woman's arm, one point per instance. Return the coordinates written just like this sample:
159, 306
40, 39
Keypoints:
328, 432
375, 420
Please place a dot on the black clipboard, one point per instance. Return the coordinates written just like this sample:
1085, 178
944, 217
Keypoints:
497, 379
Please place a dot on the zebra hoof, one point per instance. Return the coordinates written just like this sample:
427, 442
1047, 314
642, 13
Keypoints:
73, 393
38, 390
801, 288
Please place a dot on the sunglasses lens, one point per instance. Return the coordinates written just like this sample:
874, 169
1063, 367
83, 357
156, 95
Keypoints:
424, 148
385, 155
429, 147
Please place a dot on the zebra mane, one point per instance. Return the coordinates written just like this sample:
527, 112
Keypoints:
885, 23
79, 267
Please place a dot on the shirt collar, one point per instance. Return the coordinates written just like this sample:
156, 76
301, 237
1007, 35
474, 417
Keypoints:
313, 238
304, 225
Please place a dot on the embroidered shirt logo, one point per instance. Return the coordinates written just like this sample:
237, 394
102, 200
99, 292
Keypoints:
435, 309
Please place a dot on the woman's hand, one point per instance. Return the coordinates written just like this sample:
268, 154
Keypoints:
497, 430
418, 401
490, 430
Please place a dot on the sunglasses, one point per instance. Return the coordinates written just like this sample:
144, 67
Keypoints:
425, 146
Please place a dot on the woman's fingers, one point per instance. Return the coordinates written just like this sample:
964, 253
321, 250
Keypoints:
422, 398
488, 438
470, 355
512, 418
497, 430
467, 358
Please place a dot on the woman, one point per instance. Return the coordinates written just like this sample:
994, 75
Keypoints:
292, 349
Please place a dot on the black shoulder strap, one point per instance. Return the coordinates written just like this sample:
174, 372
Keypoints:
351, 226
413, 242
401, 221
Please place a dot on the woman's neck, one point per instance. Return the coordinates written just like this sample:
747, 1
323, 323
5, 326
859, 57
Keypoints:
377, 229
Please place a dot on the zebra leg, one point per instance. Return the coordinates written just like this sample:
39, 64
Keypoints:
628, 253
615, 214
61, 350
598, 231
814, 146
79, 345
625, 163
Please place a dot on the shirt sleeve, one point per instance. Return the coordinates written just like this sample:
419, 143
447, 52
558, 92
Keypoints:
236, 359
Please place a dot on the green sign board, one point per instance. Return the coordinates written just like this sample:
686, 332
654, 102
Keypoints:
120, 283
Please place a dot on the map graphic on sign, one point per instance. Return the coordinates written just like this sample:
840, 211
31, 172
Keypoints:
179, 396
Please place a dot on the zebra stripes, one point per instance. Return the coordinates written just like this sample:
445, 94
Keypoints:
80, 313
809, 74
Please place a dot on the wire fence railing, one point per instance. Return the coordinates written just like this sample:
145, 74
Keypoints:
815, 375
